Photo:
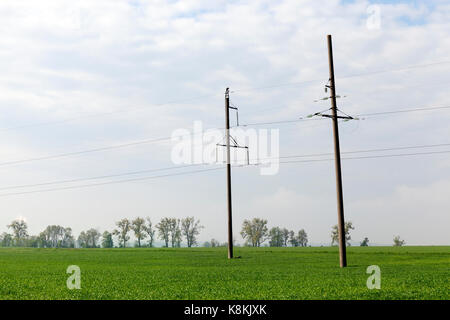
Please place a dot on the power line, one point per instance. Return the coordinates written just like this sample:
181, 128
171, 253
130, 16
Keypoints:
202, 164
155, 140
219, 168
98, 177
372, 157
110, 182
402, 111
297, 83
101, 114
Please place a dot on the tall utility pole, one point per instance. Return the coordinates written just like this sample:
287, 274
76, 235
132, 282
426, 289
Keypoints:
337, 160
227, 138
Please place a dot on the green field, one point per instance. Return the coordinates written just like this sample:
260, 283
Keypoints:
205, 273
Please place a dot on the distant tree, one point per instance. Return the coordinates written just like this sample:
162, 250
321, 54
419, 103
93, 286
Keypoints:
68, 240
123, 227
107, 240
254, 231
365, 242
164, 227
207, 244
83, 240
44, 239
53, 236
32, 241
293, 239
398, 242
285, 234
19, 229
215, 243
276, 237
150, 232
335, 233
190, 229
302, 238
139, 228
6, 240
93, 236
175, 232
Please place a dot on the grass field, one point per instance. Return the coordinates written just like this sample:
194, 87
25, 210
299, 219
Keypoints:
201, 273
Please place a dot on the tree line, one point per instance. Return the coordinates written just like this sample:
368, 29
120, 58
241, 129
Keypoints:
255, 232
171, 231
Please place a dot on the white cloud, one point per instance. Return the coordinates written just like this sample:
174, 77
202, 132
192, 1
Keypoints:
63, 59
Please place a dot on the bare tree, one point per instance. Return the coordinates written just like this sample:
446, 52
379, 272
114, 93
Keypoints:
190, 229
123, 227
139, 228
254, 231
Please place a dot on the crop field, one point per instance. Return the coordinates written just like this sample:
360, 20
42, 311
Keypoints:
205, 273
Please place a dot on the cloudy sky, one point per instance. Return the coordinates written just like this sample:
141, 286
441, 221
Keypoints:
86, 75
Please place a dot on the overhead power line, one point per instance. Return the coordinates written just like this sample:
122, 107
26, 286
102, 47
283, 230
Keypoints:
111, 182
363, 74
56, 182
181, 100
219, 168
156, 140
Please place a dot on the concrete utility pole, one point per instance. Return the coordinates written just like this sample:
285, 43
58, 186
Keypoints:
227, 137
337, 160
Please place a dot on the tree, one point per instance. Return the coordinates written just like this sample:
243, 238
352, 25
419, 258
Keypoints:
285, 235
215, 243
190, 229
68, 241
175, 232
254, 231
302, 238
83, 240
164, 227
293, 239
398, 242
123, 227
6, 240
19, 228
53, 236
276, 237
365, 242
335, 233
150, 232
139, 228
107, 240
93, 237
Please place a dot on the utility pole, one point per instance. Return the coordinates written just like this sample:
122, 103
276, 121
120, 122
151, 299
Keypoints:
337, 160
227, 137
